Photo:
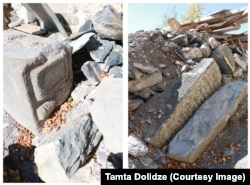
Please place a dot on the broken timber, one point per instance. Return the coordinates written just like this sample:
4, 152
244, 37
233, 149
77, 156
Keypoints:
217, 24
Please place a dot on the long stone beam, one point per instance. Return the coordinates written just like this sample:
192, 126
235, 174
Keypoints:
184, 97
207, 122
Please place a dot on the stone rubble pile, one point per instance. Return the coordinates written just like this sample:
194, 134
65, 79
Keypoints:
89, 71
172, 75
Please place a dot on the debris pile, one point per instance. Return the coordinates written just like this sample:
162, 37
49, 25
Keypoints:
172, 73
217, 24
59, 89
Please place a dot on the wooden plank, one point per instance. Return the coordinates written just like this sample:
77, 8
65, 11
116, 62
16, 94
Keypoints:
174, 24
231, 20
236, 11
230, 28
31, 29
207, 20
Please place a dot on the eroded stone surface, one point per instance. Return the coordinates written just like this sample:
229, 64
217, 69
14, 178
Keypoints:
184, 97
38, 69
65, 151
144, 82
207, 122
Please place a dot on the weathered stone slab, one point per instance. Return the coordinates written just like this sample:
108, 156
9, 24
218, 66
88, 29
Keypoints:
60, 156
181, 40
207, 122
92, 72
37, 77
114, 59
108, 23
80, 42
184, 97
144, 82
107, 113
99, 49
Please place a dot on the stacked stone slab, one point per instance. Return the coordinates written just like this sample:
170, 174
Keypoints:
37, 77
188, 93
207, 122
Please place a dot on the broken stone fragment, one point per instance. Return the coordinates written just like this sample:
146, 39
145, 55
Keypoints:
169, 47
240, 62
224, 58
145, 68
134, 73
134, 104
65, 151
181, 40
144, 82
136, 147
205, 49
108, 23
211, 117
92, 72
88, 26
116, 72
99, 49
80, 42
145, 93
193, 54
213, 43
114, 59
184, 96
238, 72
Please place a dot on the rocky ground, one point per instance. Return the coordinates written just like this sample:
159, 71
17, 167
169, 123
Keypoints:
229, 149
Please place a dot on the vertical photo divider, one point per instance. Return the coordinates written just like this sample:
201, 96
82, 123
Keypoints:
125, 85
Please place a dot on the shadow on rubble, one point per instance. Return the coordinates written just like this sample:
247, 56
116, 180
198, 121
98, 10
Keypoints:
116, 160
64, 23
19, 165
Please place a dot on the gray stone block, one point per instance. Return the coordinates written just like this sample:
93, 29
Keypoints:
64, 152
107, 113
99, 49
207, 122
114, 59
144, 82
37, 77
92, 72
184, 97
80, 42
108, 24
